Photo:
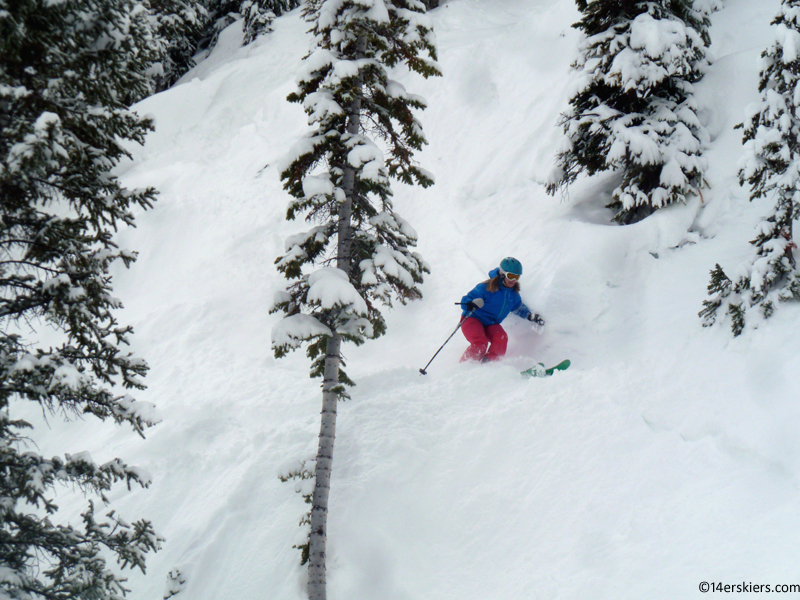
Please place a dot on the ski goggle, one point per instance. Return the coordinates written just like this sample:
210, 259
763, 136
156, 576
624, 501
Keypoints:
511, 276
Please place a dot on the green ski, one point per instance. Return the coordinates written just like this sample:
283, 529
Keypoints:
540, 370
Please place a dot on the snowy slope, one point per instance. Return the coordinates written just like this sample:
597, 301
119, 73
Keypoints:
666, 456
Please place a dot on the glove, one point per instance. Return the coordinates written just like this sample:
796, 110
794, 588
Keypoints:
536, 319
538, 322
474, 305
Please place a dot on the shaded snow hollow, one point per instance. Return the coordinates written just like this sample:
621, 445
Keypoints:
667, 455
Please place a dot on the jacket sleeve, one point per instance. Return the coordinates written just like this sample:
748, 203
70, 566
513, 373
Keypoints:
523, 311
477, 292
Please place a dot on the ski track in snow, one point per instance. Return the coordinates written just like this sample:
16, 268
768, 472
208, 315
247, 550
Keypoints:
665, 456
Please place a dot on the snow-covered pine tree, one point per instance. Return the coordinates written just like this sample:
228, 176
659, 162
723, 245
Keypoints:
221, 13
633, 110
67, 71
771, 166
259, 14
256, 17
180, 24
364, 133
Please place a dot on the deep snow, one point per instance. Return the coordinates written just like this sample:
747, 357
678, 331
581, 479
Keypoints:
667, 455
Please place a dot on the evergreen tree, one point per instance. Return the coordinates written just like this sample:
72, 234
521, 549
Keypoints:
67, 73
771, 166
180, 24
256, 17
633, 110
221, 13
339, 178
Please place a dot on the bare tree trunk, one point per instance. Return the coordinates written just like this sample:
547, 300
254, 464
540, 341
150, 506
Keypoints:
790, 233
319, 503
317, 584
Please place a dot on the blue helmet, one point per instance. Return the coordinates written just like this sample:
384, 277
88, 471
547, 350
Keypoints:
511, 265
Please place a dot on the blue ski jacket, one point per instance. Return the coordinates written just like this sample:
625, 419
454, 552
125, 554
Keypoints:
496, 305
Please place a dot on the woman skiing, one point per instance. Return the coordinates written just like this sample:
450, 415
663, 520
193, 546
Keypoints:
485, 308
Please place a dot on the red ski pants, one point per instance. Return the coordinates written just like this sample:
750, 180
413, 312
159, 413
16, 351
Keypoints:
481, 337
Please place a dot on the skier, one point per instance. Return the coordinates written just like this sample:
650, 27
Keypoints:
487, 305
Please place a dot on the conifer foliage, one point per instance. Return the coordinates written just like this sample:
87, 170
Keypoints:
772, 169
364, 133
256, 17
259, 14
67, 72
180, 24
633, 110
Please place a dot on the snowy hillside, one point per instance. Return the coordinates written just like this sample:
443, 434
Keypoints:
666, 456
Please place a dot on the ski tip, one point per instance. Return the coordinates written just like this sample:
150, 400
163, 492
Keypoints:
562, 366
541, 371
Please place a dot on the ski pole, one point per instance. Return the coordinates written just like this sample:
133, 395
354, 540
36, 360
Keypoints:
464, 318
